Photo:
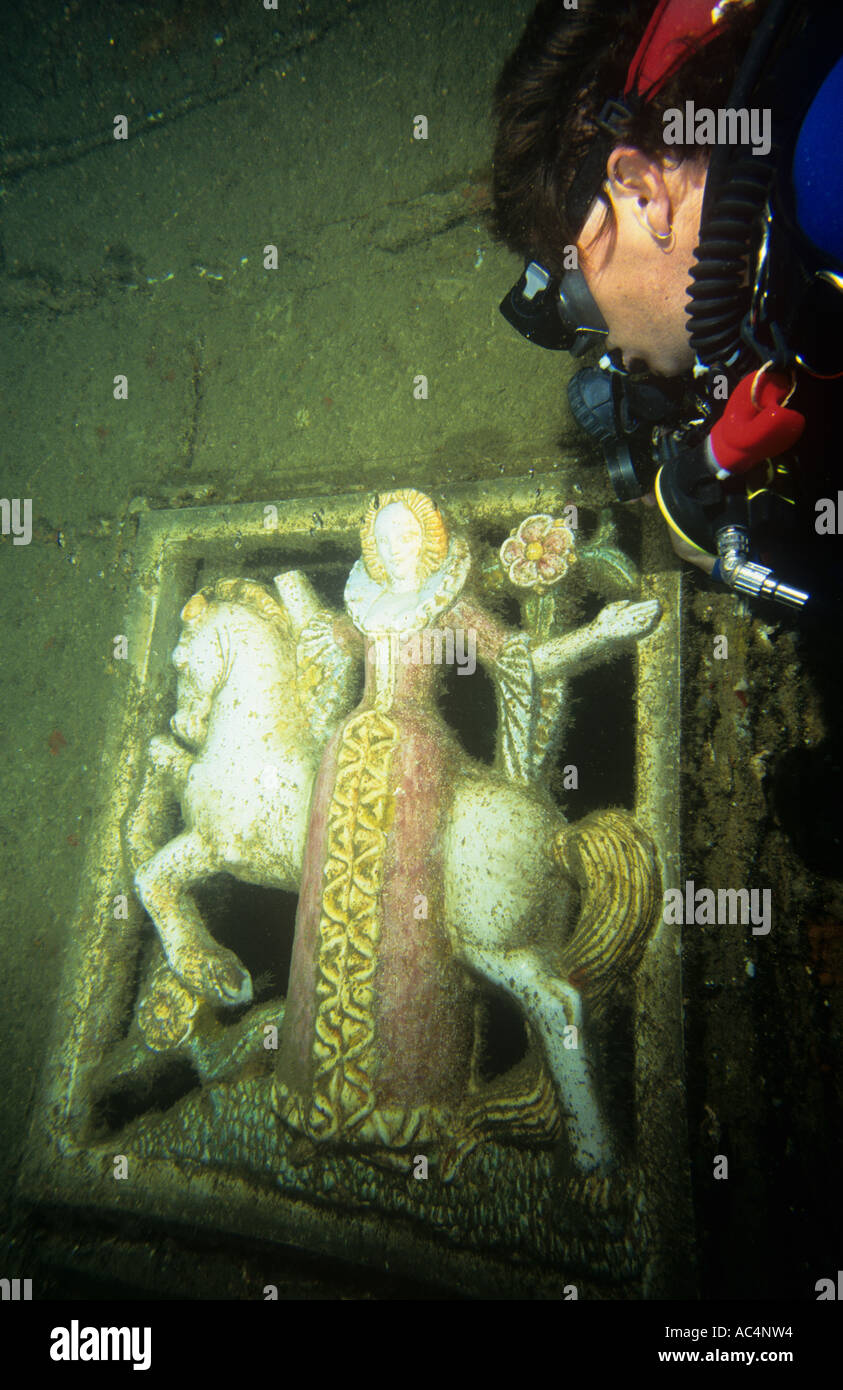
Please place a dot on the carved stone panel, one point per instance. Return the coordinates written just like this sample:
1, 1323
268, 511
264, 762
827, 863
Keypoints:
360, 966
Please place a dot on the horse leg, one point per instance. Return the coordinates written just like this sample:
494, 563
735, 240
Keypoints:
170, 758
493, 902
554, 1006
164, 780
163, 884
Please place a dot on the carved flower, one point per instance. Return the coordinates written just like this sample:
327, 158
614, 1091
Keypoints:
538, 552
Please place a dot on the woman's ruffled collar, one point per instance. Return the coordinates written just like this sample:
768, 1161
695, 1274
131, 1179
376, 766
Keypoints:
375, 609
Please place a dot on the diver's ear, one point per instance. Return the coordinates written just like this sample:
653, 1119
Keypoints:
636, 180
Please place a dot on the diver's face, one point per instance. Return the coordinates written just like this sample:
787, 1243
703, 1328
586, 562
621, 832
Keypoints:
640, 278
398, 537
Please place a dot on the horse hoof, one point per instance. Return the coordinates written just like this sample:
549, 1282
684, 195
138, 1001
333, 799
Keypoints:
229, 982
218, 977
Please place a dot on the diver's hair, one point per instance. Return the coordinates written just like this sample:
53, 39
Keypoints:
427, 514
566, 65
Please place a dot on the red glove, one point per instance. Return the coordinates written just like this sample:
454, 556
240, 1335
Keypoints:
747, 432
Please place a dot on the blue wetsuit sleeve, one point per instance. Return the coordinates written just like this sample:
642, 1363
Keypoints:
818, 168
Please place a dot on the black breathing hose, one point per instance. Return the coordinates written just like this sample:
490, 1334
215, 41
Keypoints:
722, 291
734, 198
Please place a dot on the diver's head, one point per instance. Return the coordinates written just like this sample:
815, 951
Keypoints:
576, 168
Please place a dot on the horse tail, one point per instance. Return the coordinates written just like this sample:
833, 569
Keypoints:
614, 863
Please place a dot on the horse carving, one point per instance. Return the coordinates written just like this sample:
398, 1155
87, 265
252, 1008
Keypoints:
424, 876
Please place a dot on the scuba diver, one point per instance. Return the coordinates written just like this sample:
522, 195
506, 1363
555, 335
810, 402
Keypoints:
671, 174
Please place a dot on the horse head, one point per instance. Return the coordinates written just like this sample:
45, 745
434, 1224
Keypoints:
202, 660
235, 634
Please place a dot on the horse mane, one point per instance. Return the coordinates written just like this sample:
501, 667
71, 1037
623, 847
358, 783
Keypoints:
254, 596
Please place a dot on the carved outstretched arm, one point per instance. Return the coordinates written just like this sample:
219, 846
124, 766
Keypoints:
614, 625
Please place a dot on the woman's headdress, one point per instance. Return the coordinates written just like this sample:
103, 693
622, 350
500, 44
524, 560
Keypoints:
429, 517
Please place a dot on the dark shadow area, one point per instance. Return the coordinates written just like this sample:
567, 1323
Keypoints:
467, 704
805, 800
504, 1036
257, 923
613, 1063
600, 741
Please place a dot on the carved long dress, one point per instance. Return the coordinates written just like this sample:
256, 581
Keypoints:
378, 1030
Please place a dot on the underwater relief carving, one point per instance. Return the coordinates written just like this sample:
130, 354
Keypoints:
310, 752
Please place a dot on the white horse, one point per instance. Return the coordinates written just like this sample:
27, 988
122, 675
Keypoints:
242, 767
548, 913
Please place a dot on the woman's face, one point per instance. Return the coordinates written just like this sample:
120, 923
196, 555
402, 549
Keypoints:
399, 539
640, 278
